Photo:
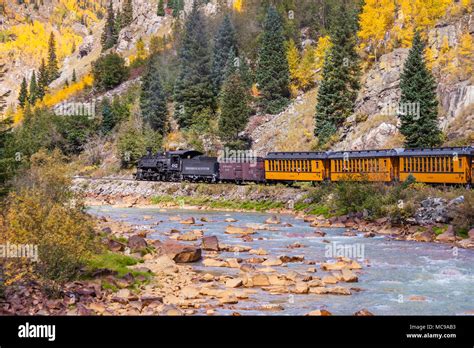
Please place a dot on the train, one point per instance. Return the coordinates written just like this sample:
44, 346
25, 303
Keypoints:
447, 165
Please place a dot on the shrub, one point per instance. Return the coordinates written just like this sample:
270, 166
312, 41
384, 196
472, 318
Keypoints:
42, 211
109, 71
75, 131
463, 215
352, 197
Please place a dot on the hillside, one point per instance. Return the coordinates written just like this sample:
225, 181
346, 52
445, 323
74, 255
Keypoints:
374, 122
382, 48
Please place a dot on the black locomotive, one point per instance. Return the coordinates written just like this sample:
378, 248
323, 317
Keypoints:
188, 165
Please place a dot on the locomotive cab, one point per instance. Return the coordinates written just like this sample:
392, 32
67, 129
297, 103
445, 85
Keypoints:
163, 166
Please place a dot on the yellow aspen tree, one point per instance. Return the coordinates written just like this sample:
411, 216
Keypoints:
293, 57
417, 14
430, 58
141, 52
306, 71
238, 4
447, 57
375, 21
467, 5
322, 47
466, 54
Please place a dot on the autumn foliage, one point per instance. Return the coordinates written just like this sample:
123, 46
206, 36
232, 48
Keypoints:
43, 211
388, 24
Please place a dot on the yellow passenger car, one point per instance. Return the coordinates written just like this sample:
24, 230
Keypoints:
450, 165
376, 165
295, 166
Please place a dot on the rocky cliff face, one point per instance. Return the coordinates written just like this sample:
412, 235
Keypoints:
374, 123
145, 24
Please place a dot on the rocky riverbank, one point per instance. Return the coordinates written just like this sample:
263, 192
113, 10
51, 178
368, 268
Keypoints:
429, 223
176, 288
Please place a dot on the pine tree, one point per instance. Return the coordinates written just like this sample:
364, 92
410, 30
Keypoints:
177, 6
53, 69
109, 35
235, 110
153, 98
161, 8
108, 117
193, 88
33, 89
42, 80
109, 71
232, 65
127, 13
224, 41
272, 71
340, 79
118, 23
418, 93
23, 96
74, 76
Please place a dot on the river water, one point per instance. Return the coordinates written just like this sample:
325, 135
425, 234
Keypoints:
398, 277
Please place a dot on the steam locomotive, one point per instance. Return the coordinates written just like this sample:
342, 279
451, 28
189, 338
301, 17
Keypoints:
449, 165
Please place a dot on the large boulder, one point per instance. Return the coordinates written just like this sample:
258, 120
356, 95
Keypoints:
210, 243
423, 236
275, 220
447, 237
115, 246
239, 230
179, 253
87, 46
363, 313
471, 233
432, 211
136, 243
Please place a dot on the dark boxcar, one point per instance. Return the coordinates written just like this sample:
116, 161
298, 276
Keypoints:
200, 168
247, 171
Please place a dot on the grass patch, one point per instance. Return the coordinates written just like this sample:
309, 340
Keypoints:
108, 286
463, 233
439, 230
115, 262
313, 209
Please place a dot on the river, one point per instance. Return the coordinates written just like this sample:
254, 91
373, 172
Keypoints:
398, 277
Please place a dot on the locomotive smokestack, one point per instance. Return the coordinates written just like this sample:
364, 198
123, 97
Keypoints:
148, 151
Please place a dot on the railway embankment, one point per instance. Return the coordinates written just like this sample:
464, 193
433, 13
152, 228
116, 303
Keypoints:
410, 212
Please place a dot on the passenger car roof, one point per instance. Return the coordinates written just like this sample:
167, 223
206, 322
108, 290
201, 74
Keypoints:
444, 151
296, 155
361, 154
